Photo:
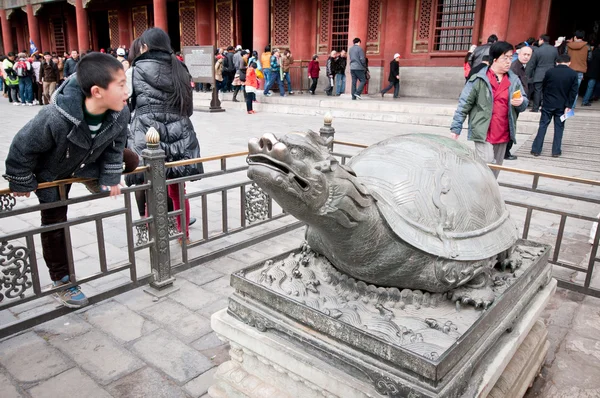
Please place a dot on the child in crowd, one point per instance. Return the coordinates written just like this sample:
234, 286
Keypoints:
251, 87
81, 134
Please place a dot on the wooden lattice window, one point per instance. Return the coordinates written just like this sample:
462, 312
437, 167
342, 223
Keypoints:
139, 15
281, 23
224, 23
113, 28
454, 22
339, 24
187, 23
374, 26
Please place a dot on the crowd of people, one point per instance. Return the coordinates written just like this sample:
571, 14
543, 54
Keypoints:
96, 128
503, 81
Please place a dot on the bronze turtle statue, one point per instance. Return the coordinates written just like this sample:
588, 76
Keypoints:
415, 211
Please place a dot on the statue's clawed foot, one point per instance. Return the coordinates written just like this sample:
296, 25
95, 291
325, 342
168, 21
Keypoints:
478, 293
510, 259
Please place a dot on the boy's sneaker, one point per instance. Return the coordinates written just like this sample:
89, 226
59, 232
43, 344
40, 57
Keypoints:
358, 97
71, 297
16, 104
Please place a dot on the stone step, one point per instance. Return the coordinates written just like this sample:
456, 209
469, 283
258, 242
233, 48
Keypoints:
418, 112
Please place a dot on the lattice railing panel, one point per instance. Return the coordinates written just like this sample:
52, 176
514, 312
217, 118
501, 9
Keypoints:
324, 20
139, 16
224, 23
113, 28
374, 26
187, 23
281, 23
423, 25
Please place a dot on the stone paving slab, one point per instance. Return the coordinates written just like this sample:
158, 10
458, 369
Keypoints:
29, 359
99, 356
72, 381
146, 382
172, 356
181, 321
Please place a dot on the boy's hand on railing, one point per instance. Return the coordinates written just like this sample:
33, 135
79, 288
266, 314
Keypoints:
115, 190
17, 194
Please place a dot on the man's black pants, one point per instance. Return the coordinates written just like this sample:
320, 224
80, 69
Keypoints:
536, 97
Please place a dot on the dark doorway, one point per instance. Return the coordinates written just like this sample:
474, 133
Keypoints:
567, 17
102, 32
246, 10
173, 25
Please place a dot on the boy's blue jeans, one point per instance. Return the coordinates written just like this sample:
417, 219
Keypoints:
288, 79
589, 91
26, 89
340, 83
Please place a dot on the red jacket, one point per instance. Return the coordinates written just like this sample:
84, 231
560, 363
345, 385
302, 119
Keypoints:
251, 79
314, 69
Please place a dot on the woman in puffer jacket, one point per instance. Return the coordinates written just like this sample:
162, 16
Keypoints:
162, 98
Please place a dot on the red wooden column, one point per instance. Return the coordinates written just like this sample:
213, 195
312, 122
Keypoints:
205, 28
357, 27
7, 39
83, 26
495, 19
125, 27
72, 43
44, 34
303, 28
260, 25
396, 10
34, 29
160, 14
22, 42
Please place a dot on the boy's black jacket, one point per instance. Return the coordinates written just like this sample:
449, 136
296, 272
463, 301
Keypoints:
57, 144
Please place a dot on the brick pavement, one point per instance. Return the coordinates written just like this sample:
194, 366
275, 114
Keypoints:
134, 346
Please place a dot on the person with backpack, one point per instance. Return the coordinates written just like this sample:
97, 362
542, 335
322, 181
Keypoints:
11, 79
25, 74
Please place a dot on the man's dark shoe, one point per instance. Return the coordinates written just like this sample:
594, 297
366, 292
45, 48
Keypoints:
535, 154
511, 157
382, 95
192, 221
556, 156
534, 111
588, 104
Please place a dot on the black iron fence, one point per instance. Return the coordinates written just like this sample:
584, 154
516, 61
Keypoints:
240, 208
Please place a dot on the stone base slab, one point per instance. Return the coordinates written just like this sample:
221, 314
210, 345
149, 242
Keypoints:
265, 365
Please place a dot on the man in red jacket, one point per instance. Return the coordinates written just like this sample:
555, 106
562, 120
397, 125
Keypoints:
313, 73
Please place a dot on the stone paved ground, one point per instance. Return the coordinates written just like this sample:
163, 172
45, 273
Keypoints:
133, 346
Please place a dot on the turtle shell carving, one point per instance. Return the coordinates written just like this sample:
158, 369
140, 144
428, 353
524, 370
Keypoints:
437, 195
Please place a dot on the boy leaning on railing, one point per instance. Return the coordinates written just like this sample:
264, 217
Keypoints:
81, 134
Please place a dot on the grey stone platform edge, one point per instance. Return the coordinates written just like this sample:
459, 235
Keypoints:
267, 365
362, 365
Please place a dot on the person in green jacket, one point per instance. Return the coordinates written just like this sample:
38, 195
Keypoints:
492, 99
10, 78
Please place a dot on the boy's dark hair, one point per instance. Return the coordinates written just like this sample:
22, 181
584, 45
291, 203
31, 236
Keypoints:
580, 34
531, 40
492, 39
268, 49
253, 65
96, 69
545, 38
499, 48
486, 58
11, 54
47, 53
356, 40
563, 59
230, 48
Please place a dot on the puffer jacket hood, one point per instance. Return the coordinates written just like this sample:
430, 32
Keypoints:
152, 81
576, 45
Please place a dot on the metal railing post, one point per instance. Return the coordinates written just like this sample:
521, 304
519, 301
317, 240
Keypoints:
327, 131
156, 200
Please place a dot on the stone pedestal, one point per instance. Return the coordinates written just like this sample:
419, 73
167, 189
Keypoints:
333, 341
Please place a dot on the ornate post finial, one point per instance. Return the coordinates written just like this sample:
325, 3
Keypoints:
327, 132
152, 138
